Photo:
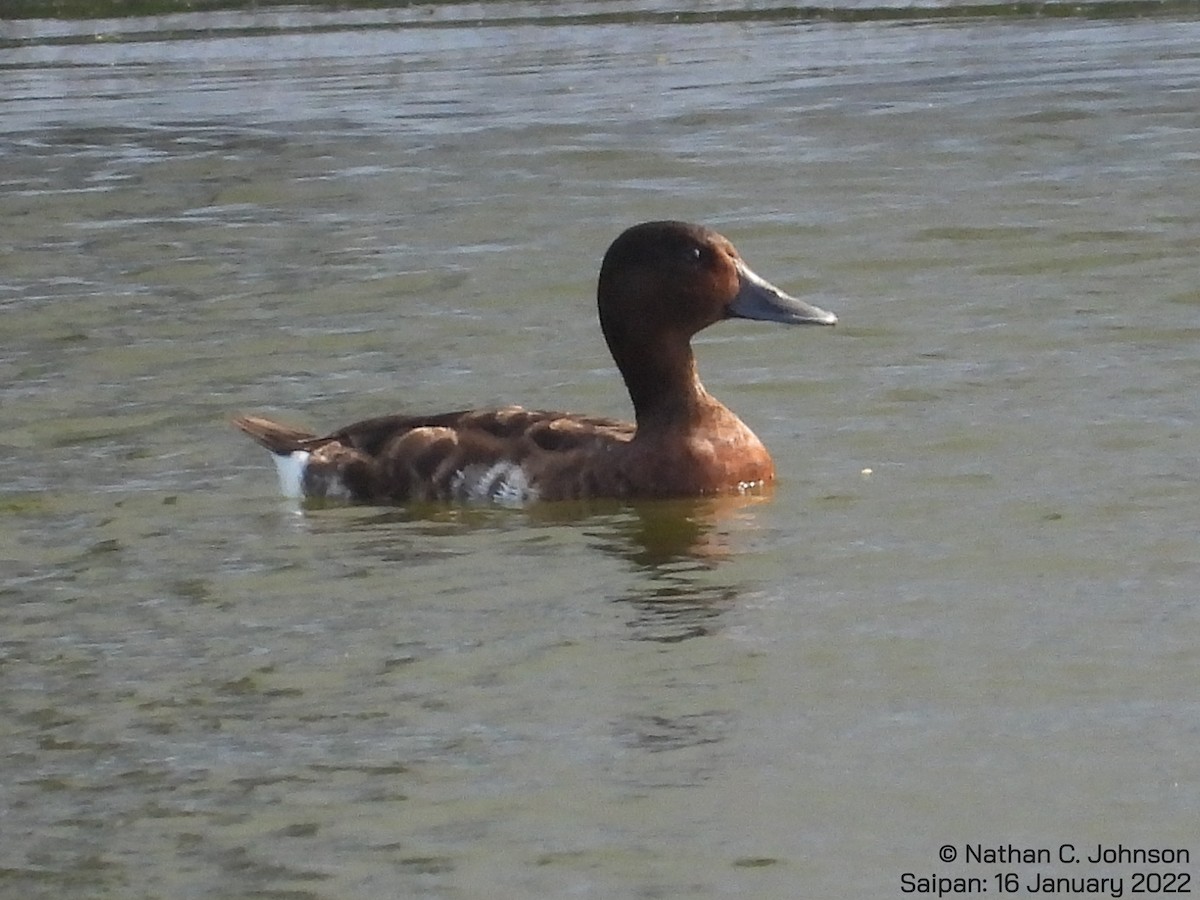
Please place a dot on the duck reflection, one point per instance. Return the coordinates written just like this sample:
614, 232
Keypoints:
653, 534
676, 546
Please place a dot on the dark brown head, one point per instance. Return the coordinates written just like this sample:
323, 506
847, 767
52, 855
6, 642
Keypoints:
661, 282
678, 278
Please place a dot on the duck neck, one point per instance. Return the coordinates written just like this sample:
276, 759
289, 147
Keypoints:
664, 386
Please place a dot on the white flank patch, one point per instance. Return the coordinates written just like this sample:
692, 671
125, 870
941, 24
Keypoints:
291, 472
513, 488
503, 483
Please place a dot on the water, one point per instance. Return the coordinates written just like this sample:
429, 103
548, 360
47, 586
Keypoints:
987, 638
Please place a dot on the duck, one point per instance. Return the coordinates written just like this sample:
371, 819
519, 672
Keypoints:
660, 284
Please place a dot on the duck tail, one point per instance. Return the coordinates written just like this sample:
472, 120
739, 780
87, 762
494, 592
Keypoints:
280, 439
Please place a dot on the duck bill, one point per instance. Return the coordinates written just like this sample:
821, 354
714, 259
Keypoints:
758, 299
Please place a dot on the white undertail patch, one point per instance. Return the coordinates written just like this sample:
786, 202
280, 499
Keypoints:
503, 483
290, 467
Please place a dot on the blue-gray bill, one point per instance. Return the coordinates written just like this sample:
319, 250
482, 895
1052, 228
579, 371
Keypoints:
758, 299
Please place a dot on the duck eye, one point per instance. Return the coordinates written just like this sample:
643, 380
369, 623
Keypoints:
697, 254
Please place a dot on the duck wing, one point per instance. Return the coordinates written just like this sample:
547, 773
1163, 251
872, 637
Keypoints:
509, 456
512, 427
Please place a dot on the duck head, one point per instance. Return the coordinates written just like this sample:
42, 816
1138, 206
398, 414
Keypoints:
660, 284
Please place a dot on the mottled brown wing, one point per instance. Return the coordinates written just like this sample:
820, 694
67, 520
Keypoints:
553, 431
464, 455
